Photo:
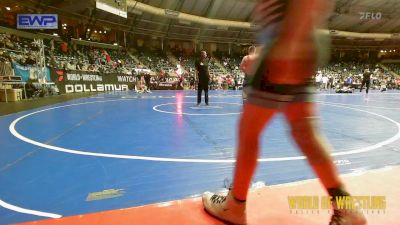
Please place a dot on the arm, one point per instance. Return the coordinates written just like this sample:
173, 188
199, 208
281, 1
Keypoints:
196, 72
196, 76
243, 64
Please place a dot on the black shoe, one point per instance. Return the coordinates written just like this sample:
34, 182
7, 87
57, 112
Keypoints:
343, 217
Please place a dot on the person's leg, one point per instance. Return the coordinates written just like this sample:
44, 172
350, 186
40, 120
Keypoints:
304, 130
367, 84
303, 123
148, 86
244, 85
244, 95
206, 94
251, 125
199, 94
362, 85
231, 207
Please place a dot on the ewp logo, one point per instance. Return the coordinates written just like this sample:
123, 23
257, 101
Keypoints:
37, 21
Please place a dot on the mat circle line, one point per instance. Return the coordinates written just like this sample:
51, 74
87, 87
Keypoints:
15, 133
155, 108
55, 148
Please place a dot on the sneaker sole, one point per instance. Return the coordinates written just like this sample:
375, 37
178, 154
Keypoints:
222, 220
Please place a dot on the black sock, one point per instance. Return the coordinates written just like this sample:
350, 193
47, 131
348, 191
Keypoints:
238, 200
336, 192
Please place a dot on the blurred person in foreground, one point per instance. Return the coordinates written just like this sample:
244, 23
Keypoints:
282, 84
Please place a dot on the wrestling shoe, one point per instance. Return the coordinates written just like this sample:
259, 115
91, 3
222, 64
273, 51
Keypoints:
343, 216
347, 217
225, 207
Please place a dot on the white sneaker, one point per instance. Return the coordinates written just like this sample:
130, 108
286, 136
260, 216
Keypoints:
225, 207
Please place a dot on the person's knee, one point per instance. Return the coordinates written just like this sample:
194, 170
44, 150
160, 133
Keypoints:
248, 140
307, 136
303, 130
249, 132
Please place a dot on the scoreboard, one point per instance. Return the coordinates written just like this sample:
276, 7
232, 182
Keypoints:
117, 7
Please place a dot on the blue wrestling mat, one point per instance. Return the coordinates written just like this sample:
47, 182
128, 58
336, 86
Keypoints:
119, 150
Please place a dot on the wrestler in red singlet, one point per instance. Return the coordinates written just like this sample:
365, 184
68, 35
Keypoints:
281, 85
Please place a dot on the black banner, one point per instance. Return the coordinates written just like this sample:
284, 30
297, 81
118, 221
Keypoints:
71, 81
88, 81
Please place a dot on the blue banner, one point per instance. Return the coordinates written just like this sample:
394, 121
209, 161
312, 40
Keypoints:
22, 71
29, 72
37, 21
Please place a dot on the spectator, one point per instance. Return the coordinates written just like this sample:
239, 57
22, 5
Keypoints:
325, 80
318, 80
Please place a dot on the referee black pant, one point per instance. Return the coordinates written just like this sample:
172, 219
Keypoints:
367, 83
200, 88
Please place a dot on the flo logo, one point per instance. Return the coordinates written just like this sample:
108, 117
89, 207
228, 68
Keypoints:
370, 15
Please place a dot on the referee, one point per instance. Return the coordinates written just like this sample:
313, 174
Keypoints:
366, 80
203, 76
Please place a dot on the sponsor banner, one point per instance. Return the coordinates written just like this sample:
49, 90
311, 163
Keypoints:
167, 83
166, 86
37, 21
77, 88
86, 81
141, 71
171, 79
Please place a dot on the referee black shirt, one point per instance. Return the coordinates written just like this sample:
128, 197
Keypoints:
367, 75
202, 72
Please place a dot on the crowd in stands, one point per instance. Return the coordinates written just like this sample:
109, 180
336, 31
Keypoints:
86, 58
393, 67
156, 61
348, 76
18, 50
224, 70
